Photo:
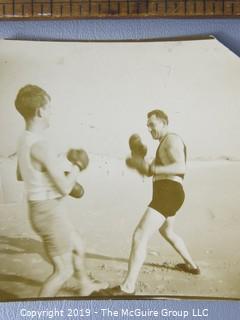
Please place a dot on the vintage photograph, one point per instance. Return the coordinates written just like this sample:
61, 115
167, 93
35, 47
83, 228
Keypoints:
119, 169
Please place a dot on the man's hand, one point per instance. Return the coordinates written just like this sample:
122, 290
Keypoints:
139, 164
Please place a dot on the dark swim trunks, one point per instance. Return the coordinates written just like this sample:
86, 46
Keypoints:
168, 197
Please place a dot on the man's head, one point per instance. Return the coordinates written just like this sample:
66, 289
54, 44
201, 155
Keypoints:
157, 123
32, 102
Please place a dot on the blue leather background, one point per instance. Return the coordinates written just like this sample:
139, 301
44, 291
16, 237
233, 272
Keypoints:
216, 310
227, 31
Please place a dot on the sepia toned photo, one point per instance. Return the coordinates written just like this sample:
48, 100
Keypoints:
119, 169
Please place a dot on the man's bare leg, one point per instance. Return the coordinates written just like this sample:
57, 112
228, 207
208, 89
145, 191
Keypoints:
150, 222
63, 270
87, 285
78, 258
167, 231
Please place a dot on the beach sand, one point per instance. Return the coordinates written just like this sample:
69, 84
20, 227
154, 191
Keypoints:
114, 200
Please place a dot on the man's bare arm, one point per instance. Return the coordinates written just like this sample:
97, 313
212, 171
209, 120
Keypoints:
174, 149
18, 174
43, 154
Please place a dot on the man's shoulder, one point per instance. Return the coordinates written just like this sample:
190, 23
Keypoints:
40, 148
41, 144
173, 139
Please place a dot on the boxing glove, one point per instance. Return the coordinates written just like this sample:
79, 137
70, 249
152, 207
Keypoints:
77, 191
136, 146
78, 157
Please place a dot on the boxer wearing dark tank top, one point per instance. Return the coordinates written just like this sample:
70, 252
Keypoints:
167, 171
168, 194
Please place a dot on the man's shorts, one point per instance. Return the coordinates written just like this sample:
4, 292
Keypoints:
50, 223
168, 197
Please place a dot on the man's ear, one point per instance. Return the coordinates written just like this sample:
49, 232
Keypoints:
165, 122
40, 112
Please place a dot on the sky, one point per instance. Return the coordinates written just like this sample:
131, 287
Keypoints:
101, 93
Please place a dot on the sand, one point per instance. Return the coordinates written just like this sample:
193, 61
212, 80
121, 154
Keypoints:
114, 201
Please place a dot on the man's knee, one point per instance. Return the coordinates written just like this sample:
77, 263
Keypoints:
79, 249
65, 273
166, 232
63, 267
138, 236
78, 245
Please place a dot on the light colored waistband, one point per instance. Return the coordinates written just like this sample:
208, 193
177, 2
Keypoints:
42, 196
173, 178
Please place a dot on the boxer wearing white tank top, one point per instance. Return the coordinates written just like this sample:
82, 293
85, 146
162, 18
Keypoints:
46, 187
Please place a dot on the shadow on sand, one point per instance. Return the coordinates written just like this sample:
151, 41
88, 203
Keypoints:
117, 259
4, 295
32, 246
16, 278
22, 245
19, 246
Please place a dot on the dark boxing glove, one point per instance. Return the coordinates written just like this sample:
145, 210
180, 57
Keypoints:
77, 191
79, 158
138, 152
139, 164
136, 146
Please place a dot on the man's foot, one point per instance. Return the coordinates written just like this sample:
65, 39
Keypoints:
93, 286
187, 268
114, 292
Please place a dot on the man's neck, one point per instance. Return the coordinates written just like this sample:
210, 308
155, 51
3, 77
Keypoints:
34, 126
163, 135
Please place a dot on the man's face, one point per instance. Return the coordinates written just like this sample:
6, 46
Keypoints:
46, 112
156, 127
